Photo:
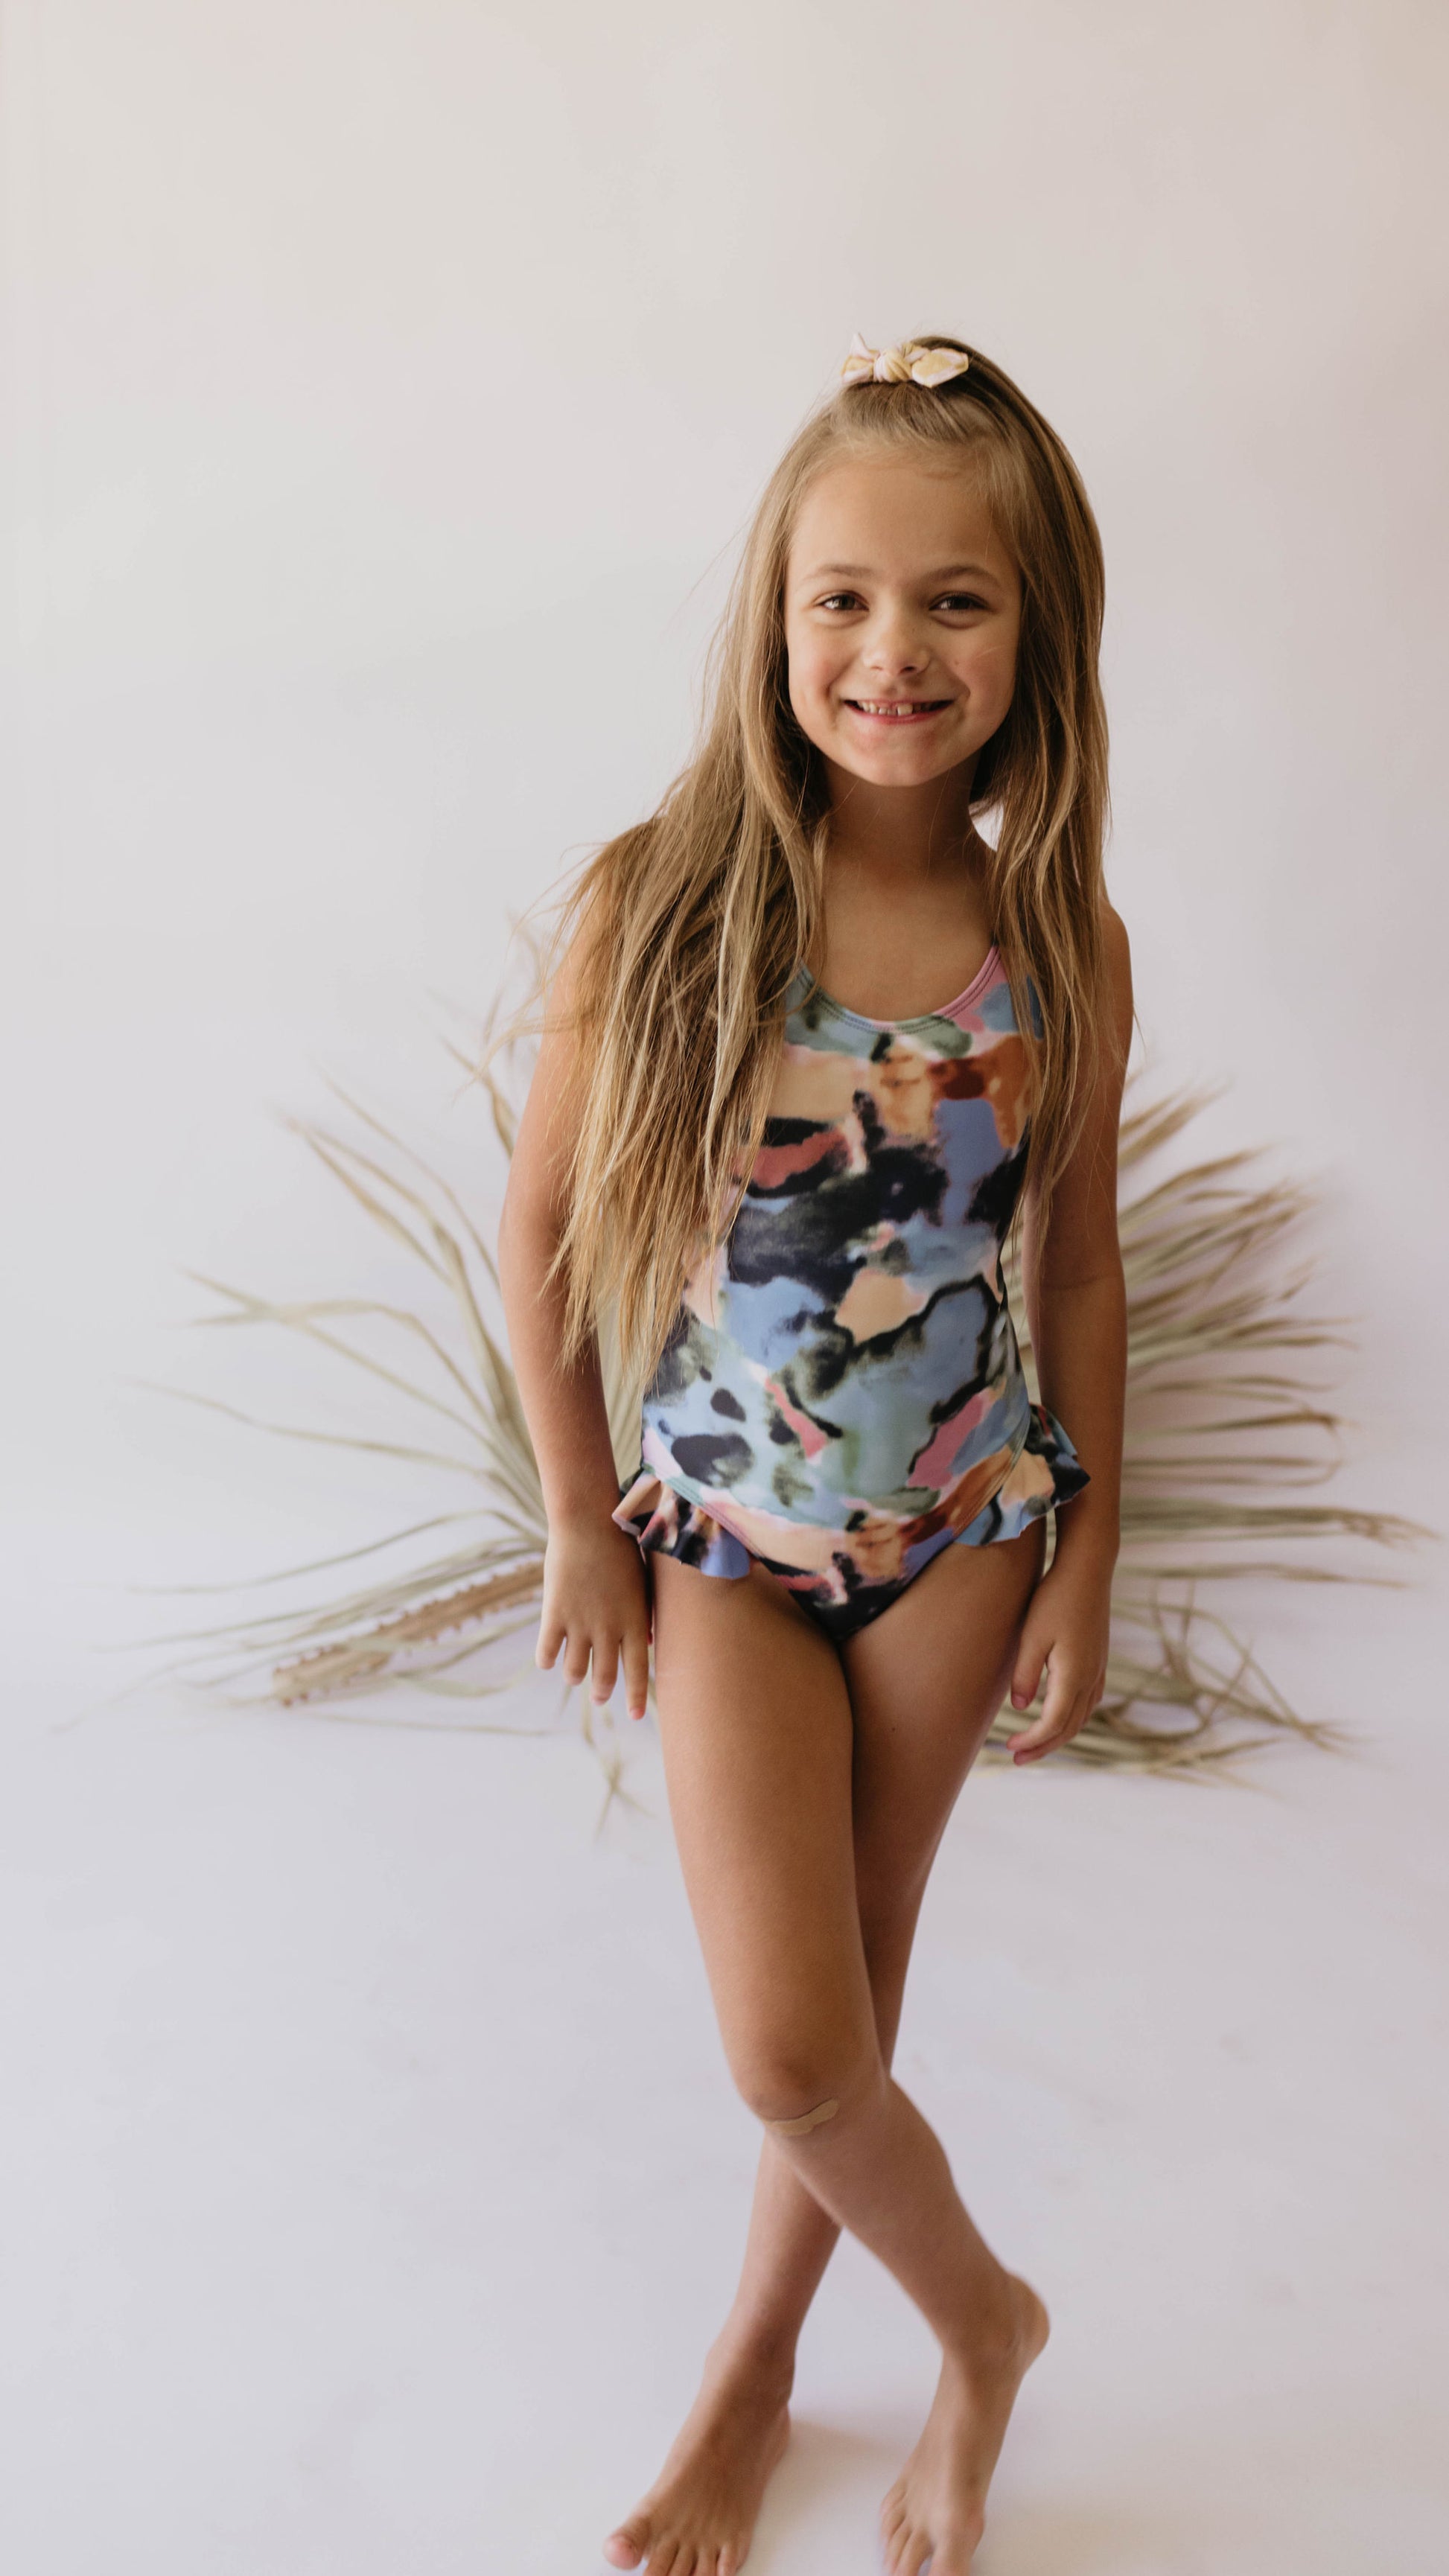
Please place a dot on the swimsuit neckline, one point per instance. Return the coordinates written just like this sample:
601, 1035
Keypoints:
918, 1019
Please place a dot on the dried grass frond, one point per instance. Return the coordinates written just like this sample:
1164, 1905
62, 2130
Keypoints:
1228, 1412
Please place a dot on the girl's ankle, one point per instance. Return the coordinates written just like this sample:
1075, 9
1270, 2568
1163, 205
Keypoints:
765, 2353
991, 2337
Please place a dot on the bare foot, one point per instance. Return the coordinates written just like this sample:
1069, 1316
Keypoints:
937, 2508
700, 2513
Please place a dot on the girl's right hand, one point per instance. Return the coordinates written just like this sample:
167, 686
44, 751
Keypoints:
596, 1610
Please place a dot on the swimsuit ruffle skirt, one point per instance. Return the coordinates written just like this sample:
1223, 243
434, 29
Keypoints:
842, 1395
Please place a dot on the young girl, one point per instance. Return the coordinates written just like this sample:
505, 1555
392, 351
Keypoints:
812, 1040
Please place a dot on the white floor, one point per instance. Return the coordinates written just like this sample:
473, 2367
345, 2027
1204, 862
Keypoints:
373, 2178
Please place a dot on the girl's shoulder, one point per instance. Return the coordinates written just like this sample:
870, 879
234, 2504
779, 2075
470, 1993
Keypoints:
1115, 945
579, 952
1117, 973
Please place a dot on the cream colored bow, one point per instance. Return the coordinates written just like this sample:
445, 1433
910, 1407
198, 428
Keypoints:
914, 361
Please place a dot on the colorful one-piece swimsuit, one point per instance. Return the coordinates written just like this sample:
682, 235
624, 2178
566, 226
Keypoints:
842, 1395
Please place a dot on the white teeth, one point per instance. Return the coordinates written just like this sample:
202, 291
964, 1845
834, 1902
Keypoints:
897, 707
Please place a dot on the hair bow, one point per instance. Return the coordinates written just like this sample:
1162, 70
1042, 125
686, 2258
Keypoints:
914, 361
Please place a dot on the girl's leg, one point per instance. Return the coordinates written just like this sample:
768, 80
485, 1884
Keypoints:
904, 1670
923, 1702
871, 1777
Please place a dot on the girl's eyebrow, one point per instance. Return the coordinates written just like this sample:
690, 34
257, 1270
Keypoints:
862, 572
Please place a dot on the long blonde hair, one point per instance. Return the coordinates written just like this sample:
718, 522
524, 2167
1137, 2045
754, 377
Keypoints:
692, 925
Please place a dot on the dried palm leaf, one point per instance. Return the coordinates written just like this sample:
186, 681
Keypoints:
1225, 1401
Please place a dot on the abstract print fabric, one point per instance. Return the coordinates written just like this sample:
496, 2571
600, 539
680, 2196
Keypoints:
842, 1395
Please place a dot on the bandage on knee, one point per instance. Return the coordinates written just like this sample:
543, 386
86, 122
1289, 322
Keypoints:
808, 2120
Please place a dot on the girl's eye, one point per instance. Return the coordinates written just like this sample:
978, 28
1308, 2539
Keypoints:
955, 603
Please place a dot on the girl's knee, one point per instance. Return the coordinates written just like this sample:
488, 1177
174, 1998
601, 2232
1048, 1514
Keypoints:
794, 2089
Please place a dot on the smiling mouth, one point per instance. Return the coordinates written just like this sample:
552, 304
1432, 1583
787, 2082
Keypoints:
897, 710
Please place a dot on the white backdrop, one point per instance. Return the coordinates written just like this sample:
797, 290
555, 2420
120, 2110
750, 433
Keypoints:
386, 387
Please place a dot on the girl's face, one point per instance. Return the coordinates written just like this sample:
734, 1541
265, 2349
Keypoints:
902, 614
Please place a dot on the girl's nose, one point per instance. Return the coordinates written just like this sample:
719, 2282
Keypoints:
895, 645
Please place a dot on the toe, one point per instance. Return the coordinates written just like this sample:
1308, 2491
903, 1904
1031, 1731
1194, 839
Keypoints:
626, 2546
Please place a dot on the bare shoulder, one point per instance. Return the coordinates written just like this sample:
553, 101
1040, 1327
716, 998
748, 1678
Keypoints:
567, 966
544, 1128
1117, 973
1116, 952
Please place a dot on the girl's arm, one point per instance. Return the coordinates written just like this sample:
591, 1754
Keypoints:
1077, 1309
595, 1605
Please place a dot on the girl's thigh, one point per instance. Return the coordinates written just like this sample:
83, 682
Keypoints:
758, 1737
926, 1680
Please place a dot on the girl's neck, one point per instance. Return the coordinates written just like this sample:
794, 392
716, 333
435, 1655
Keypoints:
900, 835
905, 916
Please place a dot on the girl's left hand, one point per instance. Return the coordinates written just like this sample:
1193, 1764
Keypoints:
1065, 1633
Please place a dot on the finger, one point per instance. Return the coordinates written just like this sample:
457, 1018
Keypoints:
1036, 1751
606, 1669
1088, 1702
1023, 1752
1061, 1697
1026, 1676
1040, 1740
550, 1638
576, 1659
1064, 1689
636, 1671
1055, 1706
